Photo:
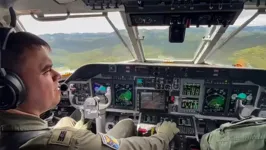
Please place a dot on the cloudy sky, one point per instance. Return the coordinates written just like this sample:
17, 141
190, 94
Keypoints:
99, 24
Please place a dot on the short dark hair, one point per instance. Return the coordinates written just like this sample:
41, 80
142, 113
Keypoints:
16, 46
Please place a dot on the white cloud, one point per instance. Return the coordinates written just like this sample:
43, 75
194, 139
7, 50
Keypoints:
100, 24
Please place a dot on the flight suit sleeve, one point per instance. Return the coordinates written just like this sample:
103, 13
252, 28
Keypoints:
107, 142
88, 140
204, 143
66, 138
73, 139
155, 142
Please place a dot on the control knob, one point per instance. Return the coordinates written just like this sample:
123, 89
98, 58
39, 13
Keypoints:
109, 126
167, 86
175, 86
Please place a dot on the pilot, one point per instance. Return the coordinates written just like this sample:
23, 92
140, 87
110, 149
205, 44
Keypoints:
28, 56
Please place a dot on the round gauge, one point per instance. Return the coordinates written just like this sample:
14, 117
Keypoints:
249, 97
148, 20
215, 100
139, 20
167, 86
234, 96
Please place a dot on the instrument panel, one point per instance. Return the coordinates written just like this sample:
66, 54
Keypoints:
164, 89
197, 99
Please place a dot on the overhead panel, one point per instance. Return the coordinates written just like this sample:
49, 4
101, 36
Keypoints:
196, 12
181, 14
103, 4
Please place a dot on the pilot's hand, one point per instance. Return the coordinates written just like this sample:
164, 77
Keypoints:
65, 122
168, 128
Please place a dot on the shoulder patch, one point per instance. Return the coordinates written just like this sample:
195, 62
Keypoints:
60, 137
110, 141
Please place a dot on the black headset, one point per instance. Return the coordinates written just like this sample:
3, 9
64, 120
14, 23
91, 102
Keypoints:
12, 88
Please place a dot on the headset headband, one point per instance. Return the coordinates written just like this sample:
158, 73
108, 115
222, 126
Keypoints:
4, 35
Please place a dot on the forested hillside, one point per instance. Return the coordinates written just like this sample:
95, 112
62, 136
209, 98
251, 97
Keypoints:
73, 50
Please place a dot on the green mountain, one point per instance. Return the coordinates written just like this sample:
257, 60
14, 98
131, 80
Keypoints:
73, 50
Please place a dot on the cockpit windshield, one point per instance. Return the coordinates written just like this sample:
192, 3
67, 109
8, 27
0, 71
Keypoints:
156, 44
248, 47
79, 41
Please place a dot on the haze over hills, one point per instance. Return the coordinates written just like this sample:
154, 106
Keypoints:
73, 50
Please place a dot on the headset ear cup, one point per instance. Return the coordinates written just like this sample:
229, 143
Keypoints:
13, 91
8, 95
18, 86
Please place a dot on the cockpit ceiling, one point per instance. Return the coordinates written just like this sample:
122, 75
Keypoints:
78, 6
51, 7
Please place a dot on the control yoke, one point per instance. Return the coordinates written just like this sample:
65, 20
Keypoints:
246, 111
94, 106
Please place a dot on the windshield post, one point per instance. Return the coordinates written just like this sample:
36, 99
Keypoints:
119, 35
236, 31
204, 41
134, 38
217, 34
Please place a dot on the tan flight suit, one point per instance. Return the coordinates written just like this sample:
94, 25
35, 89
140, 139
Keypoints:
248, 134
71, 138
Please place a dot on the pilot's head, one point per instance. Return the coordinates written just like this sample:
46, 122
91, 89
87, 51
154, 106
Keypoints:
28, 56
